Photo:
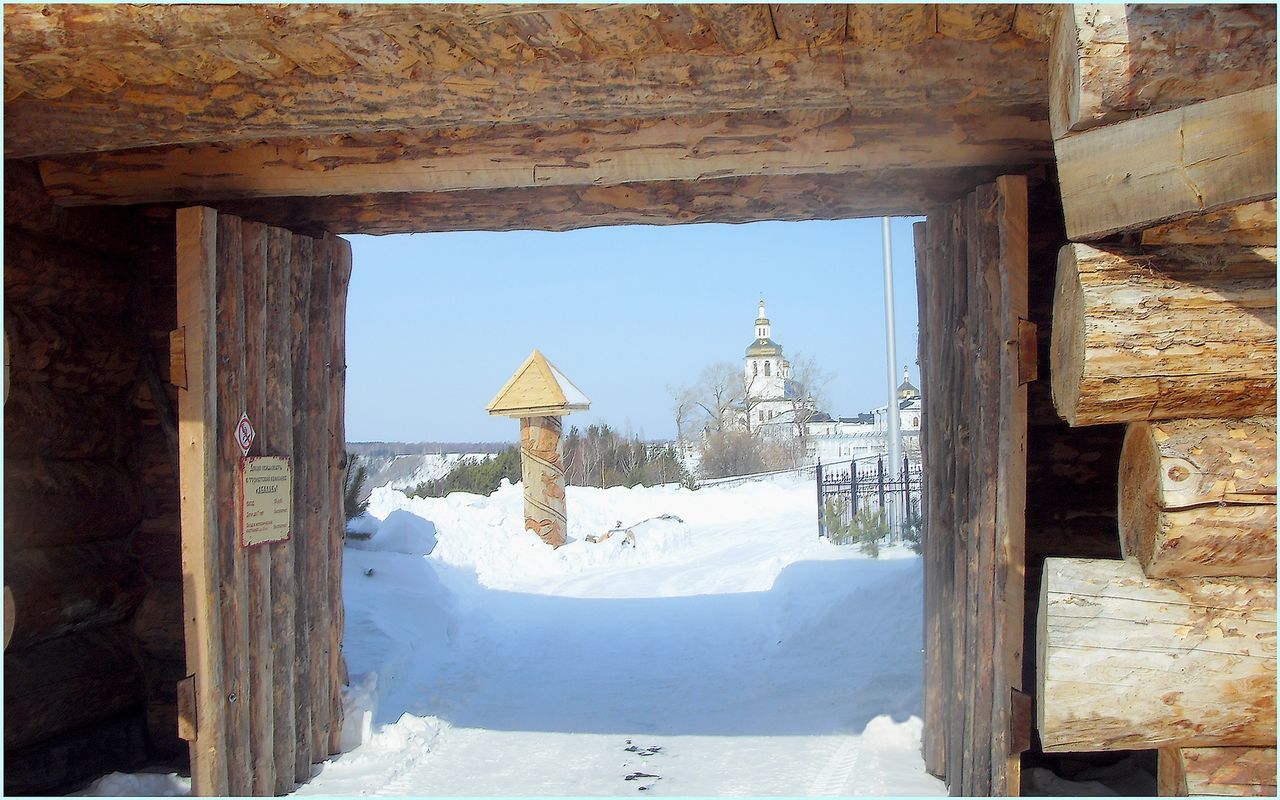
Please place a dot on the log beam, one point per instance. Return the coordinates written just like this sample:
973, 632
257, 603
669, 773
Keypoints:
1248, 224
63, 96
1171, 333
751, 199
1217, 772
1111, 62
601, 153
1198, 497
57, 590
49, 502
1180, 163
1129, 662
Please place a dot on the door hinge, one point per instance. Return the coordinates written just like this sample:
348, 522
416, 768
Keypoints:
187, 708
1028, 359
178, 357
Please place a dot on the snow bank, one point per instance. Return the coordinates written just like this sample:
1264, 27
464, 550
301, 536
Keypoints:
143, 784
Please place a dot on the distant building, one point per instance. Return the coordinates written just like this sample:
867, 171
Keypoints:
867, 434
773, 399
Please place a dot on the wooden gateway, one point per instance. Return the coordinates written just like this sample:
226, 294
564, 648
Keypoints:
1097, 344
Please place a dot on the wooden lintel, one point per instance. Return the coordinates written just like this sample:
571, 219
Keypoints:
463, 74
576, 153
559, 208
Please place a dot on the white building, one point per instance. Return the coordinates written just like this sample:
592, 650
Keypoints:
773, 399
867, 435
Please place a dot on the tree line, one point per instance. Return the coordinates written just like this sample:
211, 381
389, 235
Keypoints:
595, 456
719, 411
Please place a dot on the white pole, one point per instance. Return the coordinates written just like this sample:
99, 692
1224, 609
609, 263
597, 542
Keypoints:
894, 465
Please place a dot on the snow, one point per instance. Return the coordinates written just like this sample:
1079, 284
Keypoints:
727, 650
143, 784
720, 648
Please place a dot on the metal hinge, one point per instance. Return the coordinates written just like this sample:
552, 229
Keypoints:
178, 357
1028, 359
187, 708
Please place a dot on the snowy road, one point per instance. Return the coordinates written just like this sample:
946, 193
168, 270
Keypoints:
730, 653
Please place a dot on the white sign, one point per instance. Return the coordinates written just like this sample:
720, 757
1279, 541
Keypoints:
244, 434
266, 499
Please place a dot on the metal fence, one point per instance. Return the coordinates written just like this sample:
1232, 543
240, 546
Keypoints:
862, 495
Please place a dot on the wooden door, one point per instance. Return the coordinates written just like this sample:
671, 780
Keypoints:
260, 333
972, 274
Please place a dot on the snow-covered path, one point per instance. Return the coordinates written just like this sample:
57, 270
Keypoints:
730, 652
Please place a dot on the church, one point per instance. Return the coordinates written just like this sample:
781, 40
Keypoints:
773, 400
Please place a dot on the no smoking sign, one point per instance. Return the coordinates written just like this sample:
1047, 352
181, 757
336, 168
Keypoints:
244, 434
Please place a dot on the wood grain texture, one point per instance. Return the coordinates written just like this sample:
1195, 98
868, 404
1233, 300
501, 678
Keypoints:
600, 153
1112, 62
1130, 662
304, 529
542, 474
277, 439
1198, 497
1011, 483
733, 200
270, 74
1169, 333
259, 654
340, 277
1175, 164
320, 503
201, 566
232, 593
1248, 224
1217, 772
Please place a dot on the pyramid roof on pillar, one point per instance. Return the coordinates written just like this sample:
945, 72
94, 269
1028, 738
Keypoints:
538, 389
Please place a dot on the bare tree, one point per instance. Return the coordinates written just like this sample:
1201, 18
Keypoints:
718, 396
683, 406
806, 394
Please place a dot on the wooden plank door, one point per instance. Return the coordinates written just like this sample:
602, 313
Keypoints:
972, 274
261, 334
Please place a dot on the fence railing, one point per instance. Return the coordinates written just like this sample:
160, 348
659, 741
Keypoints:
866, 485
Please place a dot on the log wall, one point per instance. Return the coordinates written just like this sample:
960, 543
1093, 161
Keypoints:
1195, 494
90, 526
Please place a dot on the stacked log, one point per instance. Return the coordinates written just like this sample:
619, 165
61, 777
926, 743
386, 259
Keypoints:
75, 677
1172, 333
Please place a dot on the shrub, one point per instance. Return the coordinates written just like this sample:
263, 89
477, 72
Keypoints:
353, 480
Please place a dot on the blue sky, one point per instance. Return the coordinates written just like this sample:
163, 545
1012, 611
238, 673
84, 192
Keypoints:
437, 322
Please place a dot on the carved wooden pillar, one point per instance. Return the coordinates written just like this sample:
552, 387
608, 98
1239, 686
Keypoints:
538, 394
542, 472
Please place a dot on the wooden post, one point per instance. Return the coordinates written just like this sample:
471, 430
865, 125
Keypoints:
542, 472
201, 566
